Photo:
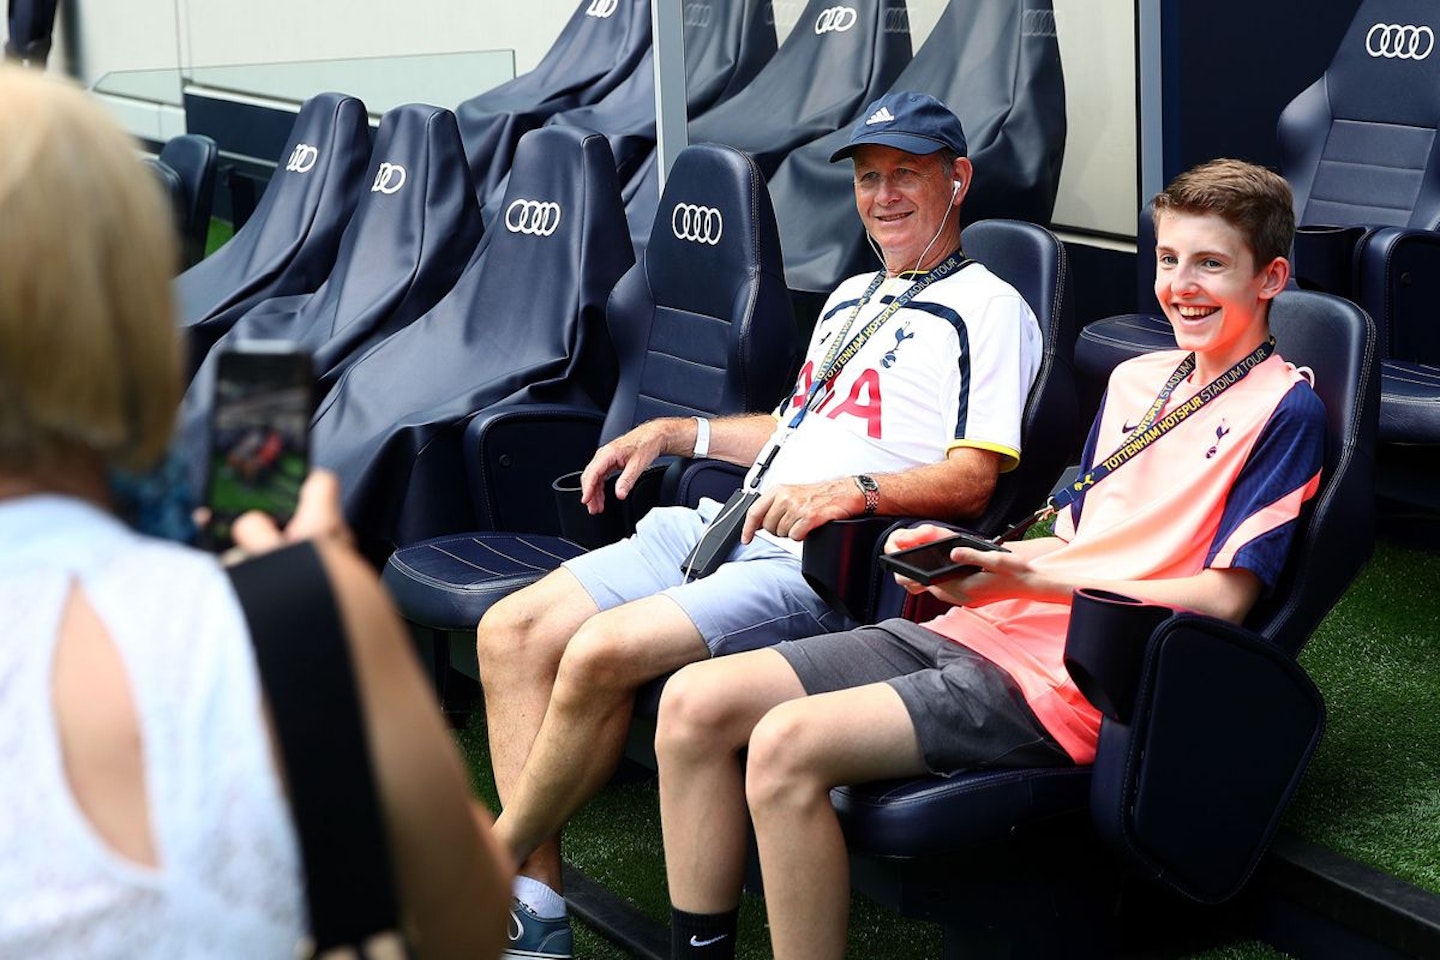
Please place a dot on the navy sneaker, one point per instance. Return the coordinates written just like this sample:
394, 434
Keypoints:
535, 938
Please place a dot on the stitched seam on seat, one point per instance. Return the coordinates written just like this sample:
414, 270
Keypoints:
480, 543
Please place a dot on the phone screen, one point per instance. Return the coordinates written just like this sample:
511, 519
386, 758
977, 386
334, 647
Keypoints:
930, 562
259, 435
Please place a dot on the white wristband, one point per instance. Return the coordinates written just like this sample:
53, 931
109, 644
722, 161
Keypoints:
702, 437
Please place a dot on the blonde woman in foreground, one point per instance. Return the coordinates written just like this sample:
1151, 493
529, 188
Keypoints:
144, 812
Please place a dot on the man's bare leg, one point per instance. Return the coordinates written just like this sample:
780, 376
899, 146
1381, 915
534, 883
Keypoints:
519, 644
582, 736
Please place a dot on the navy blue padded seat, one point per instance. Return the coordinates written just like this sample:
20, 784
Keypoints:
996, 64
725, 46
467, 573
699, 328
1410, 403
524, 323
1360, 151
1186, 796
192, 156
601, 45
289, 243
411, 234
836, 59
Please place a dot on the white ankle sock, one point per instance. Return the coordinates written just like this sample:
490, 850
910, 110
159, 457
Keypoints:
547, 904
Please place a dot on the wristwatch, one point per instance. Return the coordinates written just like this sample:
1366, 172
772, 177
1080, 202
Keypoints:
871, 491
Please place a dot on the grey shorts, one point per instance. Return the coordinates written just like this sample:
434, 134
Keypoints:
755, 599
968, 713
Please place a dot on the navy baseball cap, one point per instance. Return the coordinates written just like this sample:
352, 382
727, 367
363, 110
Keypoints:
914, 122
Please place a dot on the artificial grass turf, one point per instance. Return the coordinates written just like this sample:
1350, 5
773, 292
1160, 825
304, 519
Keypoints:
615, 840
215, 237
1373, 791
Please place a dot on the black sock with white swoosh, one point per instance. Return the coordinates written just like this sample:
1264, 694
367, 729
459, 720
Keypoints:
703, 935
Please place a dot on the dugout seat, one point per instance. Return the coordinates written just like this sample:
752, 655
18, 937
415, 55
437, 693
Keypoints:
524, 323
289, 243
702, 327
602, 44
411, 234
191, 157
996, 64
1360, 151
1207, 730
725, 45
836, 60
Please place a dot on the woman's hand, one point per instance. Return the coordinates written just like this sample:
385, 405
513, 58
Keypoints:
318, 516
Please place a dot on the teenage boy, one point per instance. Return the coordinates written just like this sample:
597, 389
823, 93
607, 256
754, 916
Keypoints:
1192, 478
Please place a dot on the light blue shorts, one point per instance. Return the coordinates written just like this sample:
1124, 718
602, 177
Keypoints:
756, 598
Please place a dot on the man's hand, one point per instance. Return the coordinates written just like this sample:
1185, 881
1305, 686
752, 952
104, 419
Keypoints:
629, 453
793, 510
317, 517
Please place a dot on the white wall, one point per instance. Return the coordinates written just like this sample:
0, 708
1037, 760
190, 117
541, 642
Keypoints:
147, 34
1097, 47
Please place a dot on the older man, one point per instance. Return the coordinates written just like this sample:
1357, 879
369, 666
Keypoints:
909, 402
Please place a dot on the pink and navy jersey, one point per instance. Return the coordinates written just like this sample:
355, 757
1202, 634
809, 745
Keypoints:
1223, 490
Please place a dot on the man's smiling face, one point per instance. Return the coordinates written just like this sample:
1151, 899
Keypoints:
902, 199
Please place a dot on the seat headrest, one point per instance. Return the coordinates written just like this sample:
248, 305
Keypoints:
330, 139
561, 209
1387, 67
838, 58
417, 220
711, 223
289, 243
598, 47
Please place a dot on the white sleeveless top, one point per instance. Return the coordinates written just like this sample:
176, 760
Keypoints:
229, 881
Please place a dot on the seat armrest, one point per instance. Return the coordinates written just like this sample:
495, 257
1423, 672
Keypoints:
1397, 283
687, 479
514, 453
840, 562
1191, 790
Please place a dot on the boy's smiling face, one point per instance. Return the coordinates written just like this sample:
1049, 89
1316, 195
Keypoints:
1210, 288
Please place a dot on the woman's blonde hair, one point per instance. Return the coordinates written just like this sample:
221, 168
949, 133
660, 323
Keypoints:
89, 355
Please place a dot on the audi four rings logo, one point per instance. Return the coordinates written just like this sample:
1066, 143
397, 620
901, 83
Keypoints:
535, 217
601, 8
302, 158
696, 223
388, 179
1395, 41
697, 14
837, 19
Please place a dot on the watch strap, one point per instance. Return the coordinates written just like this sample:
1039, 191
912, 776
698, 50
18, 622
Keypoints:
870, 490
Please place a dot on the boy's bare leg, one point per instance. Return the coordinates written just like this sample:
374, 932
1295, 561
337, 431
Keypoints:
706, 716
798, 751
